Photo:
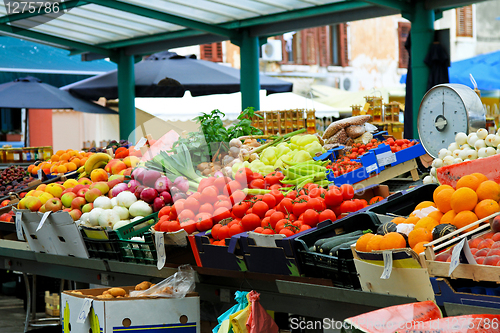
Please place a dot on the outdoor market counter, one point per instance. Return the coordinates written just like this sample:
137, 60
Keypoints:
309, 297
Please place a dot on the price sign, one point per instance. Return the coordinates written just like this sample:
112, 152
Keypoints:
160, 249
84, 310
39, 173
42, 221
387, 265
371, 168
386, 158
455, 256
19, 225
141, 143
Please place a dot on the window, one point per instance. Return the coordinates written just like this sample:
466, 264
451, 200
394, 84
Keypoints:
10, 120
464, 21
339, 45
211, 52
403, 33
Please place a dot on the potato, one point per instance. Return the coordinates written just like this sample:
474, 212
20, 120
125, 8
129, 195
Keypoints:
117, 291
144, 285
105, 296
76, 292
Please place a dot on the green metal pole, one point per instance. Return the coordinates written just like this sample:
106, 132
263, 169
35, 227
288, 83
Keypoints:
249, 71
422, 36
126, 96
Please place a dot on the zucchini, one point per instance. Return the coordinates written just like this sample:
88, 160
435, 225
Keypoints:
319, 242
328, 246
346, 245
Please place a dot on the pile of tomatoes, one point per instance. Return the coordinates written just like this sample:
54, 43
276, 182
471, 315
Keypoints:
343, 165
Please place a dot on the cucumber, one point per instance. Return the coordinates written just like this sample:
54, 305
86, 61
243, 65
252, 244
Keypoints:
346, 245
320, 242
328, 246
312, 248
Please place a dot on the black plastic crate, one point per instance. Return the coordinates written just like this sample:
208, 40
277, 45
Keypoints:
102, 249
341, 269
403, 203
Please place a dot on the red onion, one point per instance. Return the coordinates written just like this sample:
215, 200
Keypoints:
132, 185
178, 196
161, 184
174, 190
119, 188
138, 174
138, 191
158, 203
149, 194
218, 174
150, 178
182, 184
166, 197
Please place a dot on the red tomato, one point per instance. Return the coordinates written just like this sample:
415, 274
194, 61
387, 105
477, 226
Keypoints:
189, 226
268, 231
270, 212
256, 175
327, 214
316, 204
221, 182
221, 213
280, 225
257, 184
347, 191
269, 199
336, 210
315, 192
364, 202
204, 221
240, 209
299, 207
273, 178
243, 176
260, 208
286, 206
164, 211
163, 226
185, 215
232, 187
333, 197
348, 206
311, 217
237, 196
177, 207
206, 208
277, 195
291, 217
265, 222
275, 217
259, 230
235, 221
209, 195
250, 222
286, 232
304, 227
173, 226
205, 182
223, 232
235, 229
292, 195
215, 231
275, 187
191, 204
222, 203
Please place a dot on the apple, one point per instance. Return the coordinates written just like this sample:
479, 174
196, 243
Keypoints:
82, 192
78, 203
56, 190
87, 207
68, 190
78, 188
84, 181
119, 177
22, 203
67, 210
75, 214
42, 209
44, 197
114, 182
53, 205
70, 183
92, 194
102, 186
482, 252
33, 203
67, 198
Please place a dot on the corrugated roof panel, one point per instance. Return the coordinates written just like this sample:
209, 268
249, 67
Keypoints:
251, 6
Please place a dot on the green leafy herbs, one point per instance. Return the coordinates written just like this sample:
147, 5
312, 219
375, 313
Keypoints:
196, 145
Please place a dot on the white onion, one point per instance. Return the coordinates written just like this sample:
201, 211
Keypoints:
443, 153
85, 218
103, 202
463, 154
427, 180
140, 208
448, 160
453, 146
479, 144
126, 199
433, 171
456, 153
461, 138
457, 160
108, 218
490, 151
122, 212
437, 163
94, 216
481, 152
114, 202
471, 139
465, 146
482, 133
471, 154
120, 224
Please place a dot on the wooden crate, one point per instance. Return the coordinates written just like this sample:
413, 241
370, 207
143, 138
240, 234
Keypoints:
282, 121
52, 302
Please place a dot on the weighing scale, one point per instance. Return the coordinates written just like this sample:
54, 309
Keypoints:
445, 110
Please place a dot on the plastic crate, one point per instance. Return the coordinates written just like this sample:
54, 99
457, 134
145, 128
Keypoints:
106, 248
341, 269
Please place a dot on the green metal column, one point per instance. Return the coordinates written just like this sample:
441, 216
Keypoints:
126, 96
249, 71
422, 36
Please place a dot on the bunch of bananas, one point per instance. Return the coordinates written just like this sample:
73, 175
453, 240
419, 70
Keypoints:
95, 161
300, 174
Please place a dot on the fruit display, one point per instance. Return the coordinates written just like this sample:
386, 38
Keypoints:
14, 179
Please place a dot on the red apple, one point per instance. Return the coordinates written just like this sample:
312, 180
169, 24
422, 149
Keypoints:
102, 186
78, 188
78, 203
75, 214
82, 192
92, 194
67, 210
53, 205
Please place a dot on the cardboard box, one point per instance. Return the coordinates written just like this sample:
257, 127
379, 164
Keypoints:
132, 314
52, 302
445, 293
215, 256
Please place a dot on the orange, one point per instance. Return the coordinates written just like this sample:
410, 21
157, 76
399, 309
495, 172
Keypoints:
399, 220
480, 176
439, 189
486, 207
436, 215
374, 243
425, 204
392, 240
53, 168
419, 235
60, 152
76, 160
443, 200
54, 158
488, 190
35, 170
62, 169
463, 199
448, 217
465, 218
70, 166
412, 220
427, 223
363, 242
469, 181
419, 247
64, 157
30, 168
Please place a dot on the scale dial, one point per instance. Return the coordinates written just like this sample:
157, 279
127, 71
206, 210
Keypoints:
445, 110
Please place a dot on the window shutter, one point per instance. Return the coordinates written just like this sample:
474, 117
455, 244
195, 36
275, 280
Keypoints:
324, 46
403, 33
343, 45
283, 50
309, 47
464, 21
211, 52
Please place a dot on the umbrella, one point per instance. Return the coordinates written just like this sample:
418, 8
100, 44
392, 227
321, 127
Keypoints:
30, 93
167, 74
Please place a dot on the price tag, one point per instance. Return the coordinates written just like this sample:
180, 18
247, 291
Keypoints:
371, 168
455, 256
39, 173
160, 249
387, 265
84, 311
19, 225
386, 158
42, 221
141, 143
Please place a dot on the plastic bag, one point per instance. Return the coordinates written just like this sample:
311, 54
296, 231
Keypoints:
259, 320
175, 286
224, 319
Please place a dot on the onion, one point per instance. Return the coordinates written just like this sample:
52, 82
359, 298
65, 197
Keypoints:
114, 202
94, 216
149, 194
120, 224
158, 204
150, 178
218, 174
122, 212
136, 218
138, 174
167, 198
126, 199
119, 188
179, 195
108, 218
140, 208
132, 185
102, 202
161, 184
182, 184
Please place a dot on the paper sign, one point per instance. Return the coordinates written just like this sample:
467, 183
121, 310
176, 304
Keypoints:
371, 168
141, 143
386, 158
160, 249
42, 221
455, 256
387, 265
19, 225
39, 173
84, 311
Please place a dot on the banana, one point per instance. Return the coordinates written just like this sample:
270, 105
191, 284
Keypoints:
96, 161
81, 169
83, 174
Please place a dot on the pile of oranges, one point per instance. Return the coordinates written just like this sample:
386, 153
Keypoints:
474, 198
61, 162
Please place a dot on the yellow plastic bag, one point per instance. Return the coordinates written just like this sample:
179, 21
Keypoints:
239, 319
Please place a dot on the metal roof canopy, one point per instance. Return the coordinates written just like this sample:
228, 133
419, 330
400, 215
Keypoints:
124, 29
